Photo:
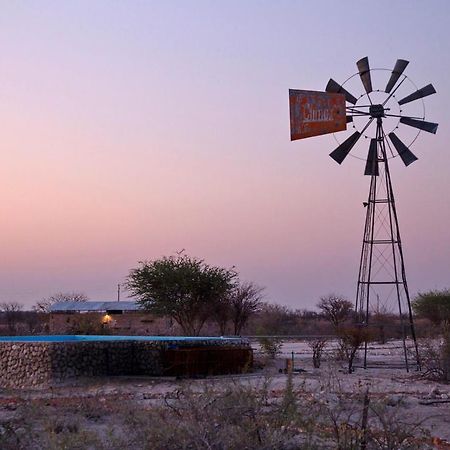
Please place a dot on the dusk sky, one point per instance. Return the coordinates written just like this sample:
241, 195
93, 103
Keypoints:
131, 130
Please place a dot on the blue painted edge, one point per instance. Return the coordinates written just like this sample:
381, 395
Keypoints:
88, 338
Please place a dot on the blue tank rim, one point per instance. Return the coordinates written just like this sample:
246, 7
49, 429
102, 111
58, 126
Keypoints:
110, 338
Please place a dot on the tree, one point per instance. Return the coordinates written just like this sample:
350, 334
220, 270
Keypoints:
245, 300
12, 312
237, 307
221, 313
433, 305
181, 287
45, 304
335, 309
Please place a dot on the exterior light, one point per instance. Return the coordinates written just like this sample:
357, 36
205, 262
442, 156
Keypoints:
106, 319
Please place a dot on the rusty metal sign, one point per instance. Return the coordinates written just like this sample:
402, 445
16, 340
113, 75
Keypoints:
314, 113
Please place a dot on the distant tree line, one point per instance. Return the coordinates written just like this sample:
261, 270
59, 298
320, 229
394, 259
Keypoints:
15, 320
199, 296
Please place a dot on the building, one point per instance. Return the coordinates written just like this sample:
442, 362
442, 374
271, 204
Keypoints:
120, 318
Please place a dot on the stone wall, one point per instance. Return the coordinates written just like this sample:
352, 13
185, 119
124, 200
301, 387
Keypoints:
24, 364
30, 364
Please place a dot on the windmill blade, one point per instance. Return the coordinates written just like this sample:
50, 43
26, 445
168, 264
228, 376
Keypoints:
420, 124
364, 73
336, 88
343, 150
349, 119
405, 153
372, 159
424, 92
399, 67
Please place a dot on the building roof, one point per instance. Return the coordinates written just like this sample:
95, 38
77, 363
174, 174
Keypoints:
94, 306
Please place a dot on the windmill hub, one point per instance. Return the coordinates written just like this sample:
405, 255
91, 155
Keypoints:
376, 111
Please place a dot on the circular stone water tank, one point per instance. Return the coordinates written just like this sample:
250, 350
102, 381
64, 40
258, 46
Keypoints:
27, 361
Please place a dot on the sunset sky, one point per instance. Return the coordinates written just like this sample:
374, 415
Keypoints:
130, 130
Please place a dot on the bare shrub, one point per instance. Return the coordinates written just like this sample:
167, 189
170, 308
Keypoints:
393, 430
351, 340
434, 357
357, 421
317, 346
233, 417
430, 359
225, 416
61, 435
445, 356
339, 420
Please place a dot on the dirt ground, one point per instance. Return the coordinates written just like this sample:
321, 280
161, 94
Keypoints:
422, 401
425, 400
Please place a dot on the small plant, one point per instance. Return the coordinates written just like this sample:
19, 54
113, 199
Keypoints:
288, 407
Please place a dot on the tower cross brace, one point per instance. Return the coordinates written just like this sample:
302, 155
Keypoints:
382, 265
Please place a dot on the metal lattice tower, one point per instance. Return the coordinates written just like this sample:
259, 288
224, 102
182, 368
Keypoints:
382, 266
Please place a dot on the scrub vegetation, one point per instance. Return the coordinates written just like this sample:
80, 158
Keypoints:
216, 416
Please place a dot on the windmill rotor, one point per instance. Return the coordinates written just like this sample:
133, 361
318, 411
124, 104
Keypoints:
363, 111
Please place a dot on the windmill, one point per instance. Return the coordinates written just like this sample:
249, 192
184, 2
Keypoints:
389, 117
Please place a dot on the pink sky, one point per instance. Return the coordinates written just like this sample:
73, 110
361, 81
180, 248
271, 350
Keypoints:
132, 130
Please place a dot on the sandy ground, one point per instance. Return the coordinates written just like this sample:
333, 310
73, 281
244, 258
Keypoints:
418, 398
